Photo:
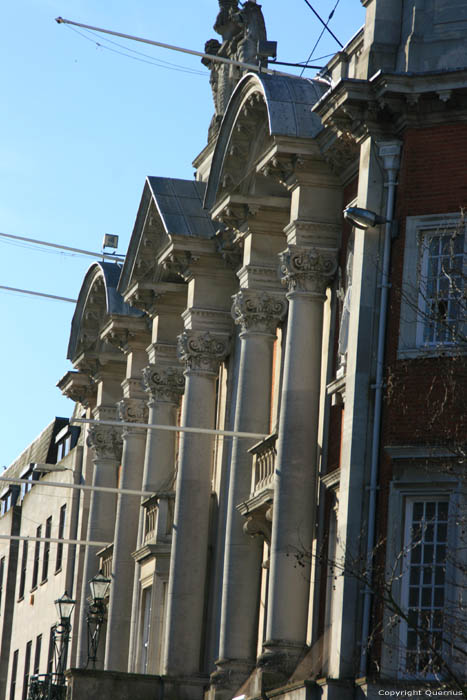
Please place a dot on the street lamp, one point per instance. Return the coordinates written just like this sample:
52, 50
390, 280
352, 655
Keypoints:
64, 607
363, 218
96, 616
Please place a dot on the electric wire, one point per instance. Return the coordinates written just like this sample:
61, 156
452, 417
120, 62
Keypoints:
326, 28
152, 60
37, 294
320, 37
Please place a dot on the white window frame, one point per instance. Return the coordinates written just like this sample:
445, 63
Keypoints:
413, 297
409, 502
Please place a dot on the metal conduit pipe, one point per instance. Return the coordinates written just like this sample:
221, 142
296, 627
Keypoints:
390, 154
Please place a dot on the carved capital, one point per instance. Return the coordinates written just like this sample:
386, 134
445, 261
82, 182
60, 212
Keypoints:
163, 383
106, 441
180, 264
132, 411
307, 269
203, 351
257, 311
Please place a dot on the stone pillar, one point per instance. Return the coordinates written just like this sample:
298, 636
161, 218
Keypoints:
202, 352
306, 271
164, 382
131, 410
106, 443
257, 313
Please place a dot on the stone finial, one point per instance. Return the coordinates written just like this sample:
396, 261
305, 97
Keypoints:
258, 311
308, 269
164, 384
202, 351
106, 441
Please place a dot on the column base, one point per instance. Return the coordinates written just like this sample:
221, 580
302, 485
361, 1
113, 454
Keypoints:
184, 687
229, 675
278, 662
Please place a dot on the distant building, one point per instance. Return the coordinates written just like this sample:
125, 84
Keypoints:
319, 551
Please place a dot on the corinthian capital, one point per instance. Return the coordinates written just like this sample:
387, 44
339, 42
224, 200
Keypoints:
308, 269
164, 383
203, 351
132, 411
258, 311
106, 442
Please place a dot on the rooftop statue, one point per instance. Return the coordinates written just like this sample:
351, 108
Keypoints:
240, 29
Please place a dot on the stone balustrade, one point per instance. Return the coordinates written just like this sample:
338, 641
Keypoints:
264, 459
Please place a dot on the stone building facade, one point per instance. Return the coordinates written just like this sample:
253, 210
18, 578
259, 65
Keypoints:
300, 551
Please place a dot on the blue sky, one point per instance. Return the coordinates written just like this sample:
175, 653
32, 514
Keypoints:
80, 128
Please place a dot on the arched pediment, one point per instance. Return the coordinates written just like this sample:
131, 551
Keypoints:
98, 299
262, 107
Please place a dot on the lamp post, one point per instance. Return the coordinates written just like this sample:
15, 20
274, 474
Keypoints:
64, 607
96, 616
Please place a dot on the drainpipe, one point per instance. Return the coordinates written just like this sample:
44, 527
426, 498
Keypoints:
389, 153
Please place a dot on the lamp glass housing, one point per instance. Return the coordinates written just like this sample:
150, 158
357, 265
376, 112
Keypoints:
64, 607
99, 586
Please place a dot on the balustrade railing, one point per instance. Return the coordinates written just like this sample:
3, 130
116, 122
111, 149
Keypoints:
46, 687
264, 459
106, 556
158, 519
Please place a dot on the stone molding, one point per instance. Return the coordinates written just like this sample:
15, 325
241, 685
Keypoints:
307, 270
202, 351
132, 411
105, 441
165, 384
257, 311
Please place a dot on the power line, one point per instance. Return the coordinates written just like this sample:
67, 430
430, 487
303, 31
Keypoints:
79, 487
85, 543
160, 63
37, 294
172, 428
324, 24
320, 36
210, 57
104, 256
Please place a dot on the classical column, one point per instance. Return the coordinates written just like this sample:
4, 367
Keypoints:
106, 443
257, 313
306, 271
164, 384
132, 410
202, 352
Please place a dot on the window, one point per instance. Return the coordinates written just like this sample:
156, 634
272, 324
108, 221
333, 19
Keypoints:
51, 651
442, 285
424, 580
27, 664
24, 564
37, 655
14, 672
61, 531
45, 561
2, 574
433, 306
37, 554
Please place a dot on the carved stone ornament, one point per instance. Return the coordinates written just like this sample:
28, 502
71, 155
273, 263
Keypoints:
258, 525
307, 269
202, 351
258, 311
132, 411
106, 441
164, 383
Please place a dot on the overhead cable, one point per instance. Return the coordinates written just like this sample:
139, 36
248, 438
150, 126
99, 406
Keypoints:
324, 23
37, 294
115, 257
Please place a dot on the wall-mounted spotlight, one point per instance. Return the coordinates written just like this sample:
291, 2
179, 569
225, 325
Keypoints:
363, 218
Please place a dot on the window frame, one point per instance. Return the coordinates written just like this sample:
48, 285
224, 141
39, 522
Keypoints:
46, 552
412, 315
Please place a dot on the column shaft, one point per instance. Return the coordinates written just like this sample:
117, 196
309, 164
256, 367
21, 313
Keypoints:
187, 579
258, 313
126, 532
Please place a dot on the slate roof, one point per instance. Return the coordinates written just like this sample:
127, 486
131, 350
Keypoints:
180, 205
42, 449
